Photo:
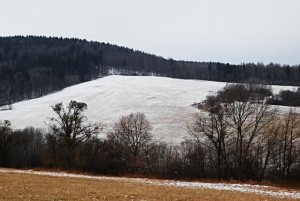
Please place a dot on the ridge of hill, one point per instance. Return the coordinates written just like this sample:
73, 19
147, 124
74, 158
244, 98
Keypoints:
32, 66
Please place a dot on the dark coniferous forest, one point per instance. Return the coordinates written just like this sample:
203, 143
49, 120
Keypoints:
32, 66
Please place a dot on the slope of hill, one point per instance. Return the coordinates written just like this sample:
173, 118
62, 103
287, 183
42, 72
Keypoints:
165, 102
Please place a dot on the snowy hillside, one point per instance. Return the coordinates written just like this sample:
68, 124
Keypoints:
165, 102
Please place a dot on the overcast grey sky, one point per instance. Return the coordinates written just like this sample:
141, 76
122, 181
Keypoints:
231, 31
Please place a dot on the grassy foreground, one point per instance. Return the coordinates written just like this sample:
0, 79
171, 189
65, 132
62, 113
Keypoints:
17, 186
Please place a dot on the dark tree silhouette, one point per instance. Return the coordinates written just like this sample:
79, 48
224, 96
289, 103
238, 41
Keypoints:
132, 132
5, 142
69, 127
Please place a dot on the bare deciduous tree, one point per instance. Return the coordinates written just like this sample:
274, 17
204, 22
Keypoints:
5, 139
215, 127
70, 127
290, 136
133, 133
248, 122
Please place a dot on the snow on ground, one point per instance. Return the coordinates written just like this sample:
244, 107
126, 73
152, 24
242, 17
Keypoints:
245, 188
165, 102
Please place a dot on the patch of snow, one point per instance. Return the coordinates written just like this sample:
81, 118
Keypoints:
244, 188
165, 102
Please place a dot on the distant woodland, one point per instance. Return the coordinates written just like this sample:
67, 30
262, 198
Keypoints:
33, 66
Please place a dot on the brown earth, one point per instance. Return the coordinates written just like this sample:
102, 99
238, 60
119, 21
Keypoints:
18, 186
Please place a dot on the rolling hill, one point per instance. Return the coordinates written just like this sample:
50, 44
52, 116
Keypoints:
166, 102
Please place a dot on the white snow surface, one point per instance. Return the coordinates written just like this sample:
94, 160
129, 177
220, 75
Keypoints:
165, 102
245, 188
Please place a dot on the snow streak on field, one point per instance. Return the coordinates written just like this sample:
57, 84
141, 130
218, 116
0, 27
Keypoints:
165, 102
245, 188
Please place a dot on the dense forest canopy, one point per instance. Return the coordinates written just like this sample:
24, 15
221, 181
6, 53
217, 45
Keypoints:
32, 66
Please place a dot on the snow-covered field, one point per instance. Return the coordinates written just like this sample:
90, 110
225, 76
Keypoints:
165, 102
245, 188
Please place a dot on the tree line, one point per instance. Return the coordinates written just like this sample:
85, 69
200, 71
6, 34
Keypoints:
32, 66
235, 135
286, 97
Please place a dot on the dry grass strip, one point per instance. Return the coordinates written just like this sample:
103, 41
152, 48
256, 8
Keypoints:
20, 186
